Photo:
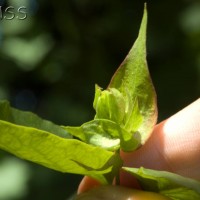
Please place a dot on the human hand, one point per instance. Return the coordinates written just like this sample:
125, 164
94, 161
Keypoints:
173, 146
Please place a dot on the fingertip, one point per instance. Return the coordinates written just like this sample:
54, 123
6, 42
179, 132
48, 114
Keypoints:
86, 184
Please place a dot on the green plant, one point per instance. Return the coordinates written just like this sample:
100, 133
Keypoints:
126, 113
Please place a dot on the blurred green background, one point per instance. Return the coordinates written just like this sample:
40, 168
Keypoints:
50, 61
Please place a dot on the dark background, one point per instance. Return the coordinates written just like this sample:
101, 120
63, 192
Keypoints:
50, 61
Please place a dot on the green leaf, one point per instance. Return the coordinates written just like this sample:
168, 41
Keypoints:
132, 80
105, 134
28, 119
22, 137
166, 183
181, 194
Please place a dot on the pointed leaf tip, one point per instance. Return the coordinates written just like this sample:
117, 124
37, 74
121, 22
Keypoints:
133, 80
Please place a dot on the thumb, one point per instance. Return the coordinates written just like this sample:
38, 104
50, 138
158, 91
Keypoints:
173, 146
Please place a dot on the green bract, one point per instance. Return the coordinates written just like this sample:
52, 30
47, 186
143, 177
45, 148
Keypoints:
104, 133
133, 81
126, 113
110, 104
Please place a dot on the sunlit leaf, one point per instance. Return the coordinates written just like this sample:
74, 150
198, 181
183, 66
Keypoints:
133, 80
181, 193
169, 184
28, 137
28, 119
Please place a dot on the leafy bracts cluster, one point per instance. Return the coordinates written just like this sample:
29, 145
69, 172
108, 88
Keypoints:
126, 113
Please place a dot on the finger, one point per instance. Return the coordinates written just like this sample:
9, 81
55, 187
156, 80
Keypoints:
173, 146
86, 184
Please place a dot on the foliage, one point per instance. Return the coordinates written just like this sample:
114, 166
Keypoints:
81, 42
171, 185
31, 138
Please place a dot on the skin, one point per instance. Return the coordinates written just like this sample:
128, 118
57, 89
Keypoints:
173, 146
119, 193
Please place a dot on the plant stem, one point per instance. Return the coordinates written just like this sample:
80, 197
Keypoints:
117, 177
